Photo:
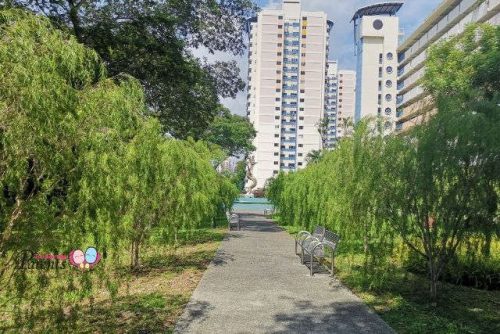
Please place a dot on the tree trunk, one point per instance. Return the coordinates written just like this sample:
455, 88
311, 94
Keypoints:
433, 276
486, 249
134, 255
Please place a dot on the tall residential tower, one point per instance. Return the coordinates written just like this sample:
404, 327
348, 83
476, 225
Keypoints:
286, 92
376, 30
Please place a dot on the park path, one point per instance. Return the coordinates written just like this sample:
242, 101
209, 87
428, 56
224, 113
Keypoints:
256, 284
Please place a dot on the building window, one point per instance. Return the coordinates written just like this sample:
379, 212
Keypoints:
379, 111
278, 72
388, 111
278, 99
379, 99
388, 97
275, 172
277, 108
280, 35
302, 90
276, 117
300, 163
389, 69
301, 145
280, 45
278, 63
278, 90
380, 58
276, 162
390, 56
387, 125
279, 54
301, 118
380, 85
304, 18
276, 145
380, 72
278, 81
280, 17
280, 26
276, 136
304, 36
378, 24
301, 154
301, 100
388, 83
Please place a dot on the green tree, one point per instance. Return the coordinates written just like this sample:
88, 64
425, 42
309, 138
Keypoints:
233, 133
442, 185
151, 40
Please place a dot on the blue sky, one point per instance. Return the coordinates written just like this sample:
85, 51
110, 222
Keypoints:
411, 15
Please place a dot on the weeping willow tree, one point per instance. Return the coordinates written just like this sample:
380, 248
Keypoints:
80, 166
341, 192
435, 190
64, 129
443, 188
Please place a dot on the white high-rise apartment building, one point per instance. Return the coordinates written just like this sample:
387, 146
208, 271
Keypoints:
346, 105
331, 99
340, 101
286, 92
376, 39
449, 19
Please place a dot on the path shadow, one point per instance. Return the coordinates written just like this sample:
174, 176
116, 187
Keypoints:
336, 317
260, 226
195, 311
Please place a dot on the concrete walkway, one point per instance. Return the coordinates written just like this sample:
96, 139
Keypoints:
256, 284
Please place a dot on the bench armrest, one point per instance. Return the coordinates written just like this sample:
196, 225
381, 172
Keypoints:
302, 235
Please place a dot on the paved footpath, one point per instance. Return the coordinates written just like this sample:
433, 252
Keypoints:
256, 284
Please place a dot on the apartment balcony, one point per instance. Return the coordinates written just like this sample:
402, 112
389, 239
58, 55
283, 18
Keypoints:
399, 113
290, 140
288, 158
401, 71
289, 123
288, 150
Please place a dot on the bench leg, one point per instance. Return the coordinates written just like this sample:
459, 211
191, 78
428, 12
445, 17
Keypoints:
312, 260
333, 263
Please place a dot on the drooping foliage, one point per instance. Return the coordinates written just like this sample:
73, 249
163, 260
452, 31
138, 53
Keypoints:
434, 190
152, 40
80, 166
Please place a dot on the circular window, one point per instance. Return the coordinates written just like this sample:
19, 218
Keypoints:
389, 69
388, 97
388, 125
388, 111
388, 84
390, 56
378, 24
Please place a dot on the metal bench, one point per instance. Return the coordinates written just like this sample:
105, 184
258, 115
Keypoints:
316, 248
233, 220
302, 236
269, 212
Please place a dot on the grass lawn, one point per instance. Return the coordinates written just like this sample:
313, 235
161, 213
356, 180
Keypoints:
152, 299
403, 302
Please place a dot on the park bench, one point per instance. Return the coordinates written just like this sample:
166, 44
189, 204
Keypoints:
269, 212
316, 248
302, 236
233, 220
